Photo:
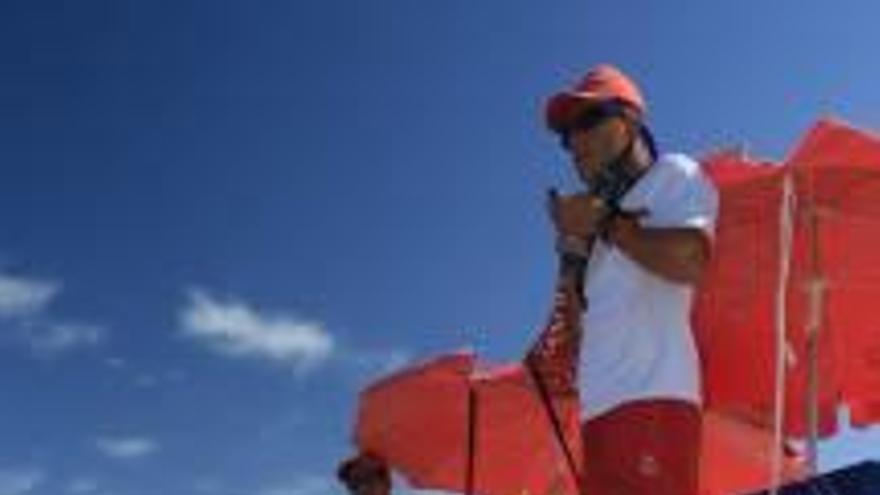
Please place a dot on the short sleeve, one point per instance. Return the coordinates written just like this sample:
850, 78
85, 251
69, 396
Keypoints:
688, 197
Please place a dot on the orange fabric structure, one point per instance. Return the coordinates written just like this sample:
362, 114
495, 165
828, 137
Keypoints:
735, 457
833, 282
417, 420
450, 424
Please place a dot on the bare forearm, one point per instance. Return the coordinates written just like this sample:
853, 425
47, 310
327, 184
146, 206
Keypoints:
675, 254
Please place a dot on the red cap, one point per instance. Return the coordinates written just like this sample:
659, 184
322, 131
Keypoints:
601, 84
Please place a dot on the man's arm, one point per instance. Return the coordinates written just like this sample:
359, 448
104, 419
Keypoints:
677, 254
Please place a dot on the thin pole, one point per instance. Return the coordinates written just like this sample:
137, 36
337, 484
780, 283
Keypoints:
815, 300
786, 230
471, 440
555, 423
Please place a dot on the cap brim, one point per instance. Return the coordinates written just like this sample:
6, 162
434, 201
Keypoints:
563, 107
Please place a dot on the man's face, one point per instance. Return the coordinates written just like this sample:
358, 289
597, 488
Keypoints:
594, 147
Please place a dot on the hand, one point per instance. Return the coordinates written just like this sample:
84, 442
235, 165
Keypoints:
577, 215
624, 226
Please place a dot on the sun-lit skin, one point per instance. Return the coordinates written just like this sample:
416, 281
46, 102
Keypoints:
676, 254
591, 149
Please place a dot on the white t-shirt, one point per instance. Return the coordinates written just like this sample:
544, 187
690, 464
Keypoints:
637, 337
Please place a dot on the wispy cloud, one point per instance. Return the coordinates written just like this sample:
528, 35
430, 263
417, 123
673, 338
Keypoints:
208, 485
234, 328
20, 481
137, 375
24, 304
373, 363
47, 337
80, 486
21, 296
126, 448
305, 485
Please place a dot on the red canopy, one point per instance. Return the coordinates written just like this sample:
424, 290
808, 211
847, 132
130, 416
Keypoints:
833, 280
418, 420
450, 424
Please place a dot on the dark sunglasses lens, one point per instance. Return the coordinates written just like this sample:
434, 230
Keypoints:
589, 119
593, 117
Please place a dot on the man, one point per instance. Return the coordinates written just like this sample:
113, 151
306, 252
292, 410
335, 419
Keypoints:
365, 474
647, 243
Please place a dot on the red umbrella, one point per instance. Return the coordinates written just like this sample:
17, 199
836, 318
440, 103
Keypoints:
797, 248
450, 424
418, 421
736, 457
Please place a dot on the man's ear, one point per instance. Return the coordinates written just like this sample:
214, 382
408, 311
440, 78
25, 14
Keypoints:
631, 125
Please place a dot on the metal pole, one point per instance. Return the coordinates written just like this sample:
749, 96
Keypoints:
473, 415
815, 301
786, 232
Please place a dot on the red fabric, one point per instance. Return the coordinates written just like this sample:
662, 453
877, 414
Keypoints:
836, 174
670, 447
649, 446
736, 456
602, 83
555, 355
417, 420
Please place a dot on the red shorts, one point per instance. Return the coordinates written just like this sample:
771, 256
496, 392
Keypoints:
644, 447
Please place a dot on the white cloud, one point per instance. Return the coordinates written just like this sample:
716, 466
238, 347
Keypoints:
20, 481
24, 304
21, 296
126, 447
235, 329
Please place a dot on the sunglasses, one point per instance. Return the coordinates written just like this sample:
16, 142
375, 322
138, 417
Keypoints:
591, 118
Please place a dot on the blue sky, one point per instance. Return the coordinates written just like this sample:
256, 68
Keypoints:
221, 219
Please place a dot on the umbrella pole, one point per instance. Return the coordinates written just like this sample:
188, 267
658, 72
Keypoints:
786, 232
816, 298
471, 457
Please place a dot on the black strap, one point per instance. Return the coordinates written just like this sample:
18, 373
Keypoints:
553, 417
